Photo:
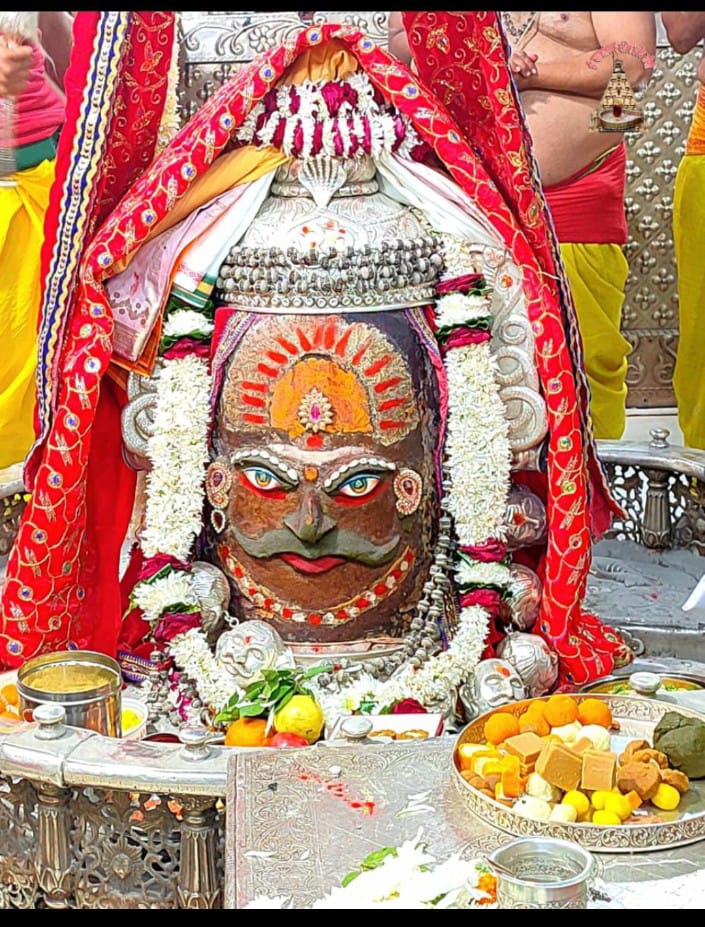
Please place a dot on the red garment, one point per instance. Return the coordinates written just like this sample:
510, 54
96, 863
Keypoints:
462, 57
588, 208
39, 108
45, 612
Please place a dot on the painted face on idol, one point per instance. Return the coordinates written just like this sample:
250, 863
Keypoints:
323, 485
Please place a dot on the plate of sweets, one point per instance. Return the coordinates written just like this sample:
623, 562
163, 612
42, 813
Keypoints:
612, 773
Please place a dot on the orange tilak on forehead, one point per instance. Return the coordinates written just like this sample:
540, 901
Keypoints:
315, 376
310, 473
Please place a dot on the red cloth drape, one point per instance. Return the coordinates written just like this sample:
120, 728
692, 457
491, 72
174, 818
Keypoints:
116, 90
43, 608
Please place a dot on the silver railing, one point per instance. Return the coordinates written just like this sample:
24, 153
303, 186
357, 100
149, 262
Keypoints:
661, 488
87, 821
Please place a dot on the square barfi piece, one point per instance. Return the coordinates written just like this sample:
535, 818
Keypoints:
526, 746
559, 766
599, 768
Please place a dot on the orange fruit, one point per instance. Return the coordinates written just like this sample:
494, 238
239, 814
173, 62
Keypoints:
534, 721
500, 726
246, 732
9, 695
594, 711
560, 710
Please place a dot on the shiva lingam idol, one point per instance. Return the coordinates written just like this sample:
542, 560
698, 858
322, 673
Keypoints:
363, 434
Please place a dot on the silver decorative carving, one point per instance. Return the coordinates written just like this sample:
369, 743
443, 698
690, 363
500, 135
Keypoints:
650, 313
360, 177
525, 519
494, 682
126, 847
635, 476
512, 344
533, 659
213, 593
199, 886
248, 648
323, 178
54, 856
216, 43
297, 254
18, 843
137, 418
526, 590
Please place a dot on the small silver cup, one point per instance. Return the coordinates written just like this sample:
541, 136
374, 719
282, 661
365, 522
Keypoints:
540, 872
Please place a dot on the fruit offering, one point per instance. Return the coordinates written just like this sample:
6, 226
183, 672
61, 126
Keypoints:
276, 710
555, 762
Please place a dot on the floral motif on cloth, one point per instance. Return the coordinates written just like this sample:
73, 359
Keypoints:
61, 564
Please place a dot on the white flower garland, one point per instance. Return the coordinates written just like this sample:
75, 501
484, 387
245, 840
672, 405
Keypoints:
183, 322
312, 108
156, 595
193, 656
455, 309
453, 665
408, 878
428, 684
477, 573
477, 445
178, 449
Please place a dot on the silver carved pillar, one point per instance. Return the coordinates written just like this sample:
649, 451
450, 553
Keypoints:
656, 527
54, 855
198, 886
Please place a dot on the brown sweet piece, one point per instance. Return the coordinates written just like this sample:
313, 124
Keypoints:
415, 733
559, 766
647, 754
474, 780
384, 732
676, 778
643, 778
526, 746
631, 747
580, 746
598, 770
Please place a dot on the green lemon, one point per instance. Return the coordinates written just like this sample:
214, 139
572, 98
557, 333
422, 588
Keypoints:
301, 715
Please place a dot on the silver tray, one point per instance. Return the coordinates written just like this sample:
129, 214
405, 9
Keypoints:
637, 718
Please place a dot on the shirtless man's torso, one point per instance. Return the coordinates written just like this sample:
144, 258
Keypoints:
570, 77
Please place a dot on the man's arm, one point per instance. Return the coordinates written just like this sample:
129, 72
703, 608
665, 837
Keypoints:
684, 30
397, 40
15, 65
56, 30
586, 73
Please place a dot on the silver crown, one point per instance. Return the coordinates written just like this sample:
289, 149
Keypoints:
327, 239
397, 274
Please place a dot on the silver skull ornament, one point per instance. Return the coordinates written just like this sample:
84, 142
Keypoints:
533, 659
493, 683
249, 648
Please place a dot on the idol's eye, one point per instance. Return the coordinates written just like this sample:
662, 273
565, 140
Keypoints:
263, 479
360, 485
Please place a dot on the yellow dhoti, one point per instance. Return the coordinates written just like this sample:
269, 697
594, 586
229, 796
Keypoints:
22, 211
597, 274
689, 246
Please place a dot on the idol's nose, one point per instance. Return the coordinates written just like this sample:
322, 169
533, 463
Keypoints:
309, 522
